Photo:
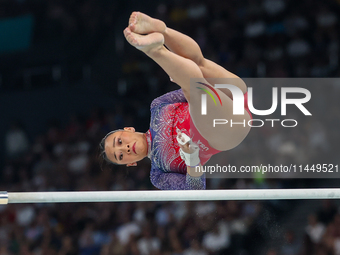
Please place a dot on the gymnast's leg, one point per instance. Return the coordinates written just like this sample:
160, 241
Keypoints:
223, 137
186, 47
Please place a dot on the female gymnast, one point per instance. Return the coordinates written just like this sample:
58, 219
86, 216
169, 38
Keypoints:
174, 146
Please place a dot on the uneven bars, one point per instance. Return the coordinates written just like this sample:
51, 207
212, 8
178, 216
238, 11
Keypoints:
166, 195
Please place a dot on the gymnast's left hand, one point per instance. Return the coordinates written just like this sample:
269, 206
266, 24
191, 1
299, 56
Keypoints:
185, 147
185, 143
190, 154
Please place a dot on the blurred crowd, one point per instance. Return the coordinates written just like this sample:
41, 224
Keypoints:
58, 18
252, 38
322, 234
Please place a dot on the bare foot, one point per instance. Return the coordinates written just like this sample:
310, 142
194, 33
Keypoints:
141, 23
145, 43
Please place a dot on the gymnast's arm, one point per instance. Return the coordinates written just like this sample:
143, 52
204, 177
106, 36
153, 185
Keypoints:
176, 181
176, 96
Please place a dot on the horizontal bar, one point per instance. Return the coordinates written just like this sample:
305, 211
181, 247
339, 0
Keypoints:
167, 195
3, 197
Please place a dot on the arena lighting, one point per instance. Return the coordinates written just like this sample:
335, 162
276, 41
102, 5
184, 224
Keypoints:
166, 195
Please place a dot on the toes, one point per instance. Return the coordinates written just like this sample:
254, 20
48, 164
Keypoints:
130, 37
133, 21
132, 26
133, 18
126, 32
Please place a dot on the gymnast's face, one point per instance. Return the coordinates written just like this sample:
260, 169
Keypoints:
126, 147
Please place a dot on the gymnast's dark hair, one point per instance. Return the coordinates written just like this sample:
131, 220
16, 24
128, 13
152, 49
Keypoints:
102, 154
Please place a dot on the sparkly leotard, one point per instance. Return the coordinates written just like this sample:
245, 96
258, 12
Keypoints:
168, 170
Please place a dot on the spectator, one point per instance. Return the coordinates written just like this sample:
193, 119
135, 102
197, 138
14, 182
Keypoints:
148, 244
218, 238
291, 246
127, 229
314, 229
327, 212
16, 141
298, 47
195, 249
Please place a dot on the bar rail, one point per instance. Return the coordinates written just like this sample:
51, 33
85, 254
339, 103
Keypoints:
166, 195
